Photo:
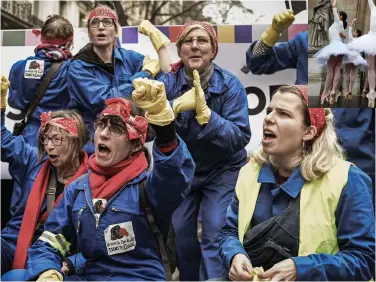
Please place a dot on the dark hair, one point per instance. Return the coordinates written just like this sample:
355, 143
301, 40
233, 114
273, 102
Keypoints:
359, 32
57, 27
344, 18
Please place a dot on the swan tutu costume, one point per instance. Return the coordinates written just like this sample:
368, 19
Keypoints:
336, 46
358, 61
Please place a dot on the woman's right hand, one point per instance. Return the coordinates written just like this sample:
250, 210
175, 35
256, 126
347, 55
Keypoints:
150, 95
353, 21
241, 268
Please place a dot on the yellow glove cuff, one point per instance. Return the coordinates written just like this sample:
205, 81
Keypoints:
151, 65
270, 36
204, 116
165, 117
51, 275
3, 102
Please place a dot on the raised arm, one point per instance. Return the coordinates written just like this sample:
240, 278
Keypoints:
159, 41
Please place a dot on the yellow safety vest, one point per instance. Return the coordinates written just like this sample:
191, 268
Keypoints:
318, 203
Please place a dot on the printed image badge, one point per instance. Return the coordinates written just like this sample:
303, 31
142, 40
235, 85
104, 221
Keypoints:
34, 69
99, 205
120, 238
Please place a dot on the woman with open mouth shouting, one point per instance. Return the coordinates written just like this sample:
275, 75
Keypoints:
42, 177
301, 211
103, 69
117, 170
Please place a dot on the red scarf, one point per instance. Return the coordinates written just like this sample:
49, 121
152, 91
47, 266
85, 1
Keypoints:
33, 207
120, 174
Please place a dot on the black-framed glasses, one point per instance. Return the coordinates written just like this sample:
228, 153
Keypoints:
56, 140
107, 22
114, 129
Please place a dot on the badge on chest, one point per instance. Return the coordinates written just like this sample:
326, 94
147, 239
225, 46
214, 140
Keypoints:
34, 69
120, 238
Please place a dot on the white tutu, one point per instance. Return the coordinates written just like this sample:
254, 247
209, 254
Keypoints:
365, 43
358, 61
335, 48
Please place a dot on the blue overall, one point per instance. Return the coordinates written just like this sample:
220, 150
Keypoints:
353, 218
22, 89
218, 151
74, 218
288, 55
356, 133
89, 85
23, 168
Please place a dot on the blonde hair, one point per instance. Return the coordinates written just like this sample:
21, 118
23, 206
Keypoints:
319, 155
75, 144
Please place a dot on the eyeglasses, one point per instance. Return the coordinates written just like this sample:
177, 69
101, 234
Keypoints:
107, 22
114, 129
201, 40
56, 140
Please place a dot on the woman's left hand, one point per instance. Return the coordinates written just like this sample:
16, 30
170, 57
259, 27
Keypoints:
203, 112
282, 271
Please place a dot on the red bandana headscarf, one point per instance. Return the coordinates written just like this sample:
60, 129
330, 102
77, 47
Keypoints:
69, 124
189, 26
106, 181
317, 115
103, 11
136, 126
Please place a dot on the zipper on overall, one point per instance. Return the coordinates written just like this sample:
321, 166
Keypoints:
79, 217
108, 203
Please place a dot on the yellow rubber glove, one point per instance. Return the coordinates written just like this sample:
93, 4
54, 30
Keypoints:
158, 39
203, 112
150, 95
4, 90
281, 21
151, 65
51, 275
185, 102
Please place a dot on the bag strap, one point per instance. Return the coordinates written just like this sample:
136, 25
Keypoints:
38, 95
51, 191
145, 204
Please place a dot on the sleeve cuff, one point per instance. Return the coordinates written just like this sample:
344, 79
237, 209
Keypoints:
303, 267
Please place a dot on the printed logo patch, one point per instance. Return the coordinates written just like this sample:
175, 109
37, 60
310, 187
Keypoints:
99, 205
120, 238
34, 69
